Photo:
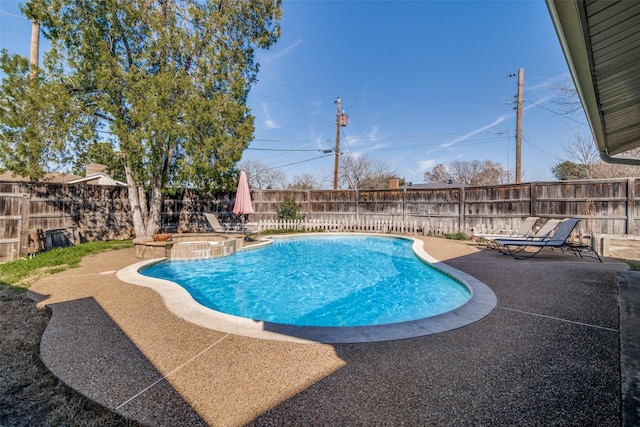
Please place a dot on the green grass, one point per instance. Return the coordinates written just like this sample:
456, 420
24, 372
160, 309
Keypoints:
23, 272
456, 236
633, 265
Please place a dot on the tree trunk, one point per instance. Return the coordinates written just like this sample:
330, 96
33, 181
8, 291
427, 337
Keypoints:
155, 206
134, 200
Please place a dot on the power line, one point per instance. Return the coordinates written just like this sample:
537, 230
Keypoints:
556, 113
352, 104
534, 147
382, 137
296, 163
286, 149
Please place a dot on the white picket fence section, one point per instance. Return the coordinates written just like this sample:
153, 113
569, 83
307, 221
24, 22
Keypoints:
423, 227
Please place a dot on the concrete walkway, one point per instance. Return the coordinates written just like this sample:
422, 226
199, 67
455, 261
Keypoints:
560, 348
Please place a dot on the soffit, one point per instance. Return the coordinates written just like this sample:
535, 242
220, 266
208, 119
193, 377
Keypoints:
601, 42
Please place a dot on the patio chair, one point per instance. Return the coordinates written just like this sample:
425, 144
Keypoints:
541, 234
215, 224
250, 230
522, 231
560, 240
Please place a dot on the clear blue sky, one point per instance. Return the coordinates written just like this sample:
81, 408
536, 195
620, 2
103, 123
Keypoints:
423, 82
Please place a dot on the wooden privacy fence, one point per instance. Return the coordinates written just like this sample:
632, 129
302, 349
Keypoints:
14, 220
36, 216
32, 214
606, 206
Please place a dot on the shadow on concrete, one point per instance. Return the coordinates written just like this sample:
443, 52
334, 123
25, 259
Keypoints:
629, 286
91, 354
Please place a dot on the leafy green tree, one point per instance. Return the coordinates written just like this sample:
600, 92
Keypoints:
568, 170
100, 152
169, 79
39, 120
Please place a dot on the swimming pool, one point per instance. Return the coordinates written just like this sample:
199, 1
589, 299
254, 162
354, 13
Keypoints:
329, 281
183, 305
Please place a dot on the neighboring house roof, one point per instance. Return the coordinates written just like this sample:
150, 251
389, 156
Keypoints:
434, 185
97, 179
57, 177
66, 178
601, 43
8, 176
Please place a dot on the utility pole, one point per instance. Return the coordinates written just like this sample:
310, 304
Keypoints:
519, 126
337, 161
341, 120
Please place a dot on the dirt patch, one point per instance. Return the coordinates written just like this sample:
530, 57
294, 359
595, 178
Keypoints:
29, 394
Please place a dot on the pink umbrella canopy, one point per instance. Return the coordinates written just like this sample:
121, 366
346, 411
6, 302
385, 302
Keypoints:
242, 205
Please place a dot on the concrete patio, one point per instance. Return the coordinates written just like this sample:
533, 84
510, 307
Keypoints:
560, 348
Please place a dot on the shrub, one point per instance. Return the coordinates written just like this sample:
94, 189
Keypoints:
456, 236
288, 209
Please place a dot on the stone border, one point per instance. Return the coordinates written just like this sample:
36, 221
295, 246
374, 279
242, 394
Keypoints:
146, 248
180, 302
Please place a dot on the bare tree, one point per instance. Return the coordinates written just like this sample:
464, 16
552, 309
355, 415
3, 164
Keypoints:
610, 170
474, 172
568, 98
303, 182
494, 173
262, 176
582, 152
438, 173
363, 172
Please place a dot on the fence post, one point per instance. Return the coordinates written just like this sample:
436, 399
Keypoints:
461, 217
631, 202
25, 214
357, 203
404, 204
532, 200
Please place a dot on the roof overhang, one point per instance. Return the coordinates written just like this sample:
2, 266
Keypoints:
601, 43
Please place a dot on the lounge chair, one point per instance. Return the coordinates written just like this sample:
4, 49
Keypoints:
215, 224
559, 239
249, 229
541, 234
522, 231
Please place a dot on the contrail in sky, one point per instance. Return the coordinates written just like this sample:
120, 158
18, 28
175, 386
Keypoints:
475, 132
489, 126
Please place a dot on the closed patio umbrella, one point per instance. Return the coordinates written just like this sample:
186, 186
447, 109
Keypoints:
242, 205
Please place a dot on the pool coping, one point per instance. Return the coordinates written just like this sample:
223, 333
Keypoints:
181, 303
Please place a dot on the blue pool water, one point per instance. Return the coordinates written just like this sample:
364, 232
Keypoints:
320, 281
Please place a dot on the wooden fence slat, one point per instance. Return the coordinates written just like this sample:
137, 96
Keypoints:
25, 209
16, 240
